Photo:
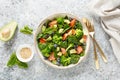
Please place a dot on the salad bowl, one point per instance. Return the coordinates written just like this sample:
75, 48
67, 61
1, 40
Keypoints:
61, 62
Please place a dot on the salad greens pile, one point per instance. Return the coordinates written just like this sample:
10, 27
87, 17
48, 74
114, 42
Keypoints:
62, 41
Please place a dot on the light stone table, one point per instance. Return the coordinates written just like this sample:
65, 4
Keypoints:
31, 12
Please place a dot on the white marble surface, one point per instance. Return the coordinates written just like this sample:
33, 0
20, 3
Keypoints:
31, 12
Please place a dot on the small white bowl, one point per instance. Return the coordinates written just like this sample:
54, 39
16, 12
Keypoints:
18, 52
51, 18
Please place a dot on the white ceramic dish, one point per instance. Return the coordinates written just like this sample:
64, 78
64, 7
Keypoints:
18, 52
39, 30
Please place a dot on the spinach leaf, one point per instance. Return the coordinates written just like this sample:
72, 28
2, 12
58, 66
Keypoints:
60, 20
78, 25
82, 54
12, 60
21, 64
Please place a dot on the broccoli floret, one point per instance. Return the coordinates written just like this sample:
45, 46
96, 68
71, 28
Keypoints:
57, 39
70, 45
74, 58
46, 48
65, 61
63, 44
79, 33
73, 39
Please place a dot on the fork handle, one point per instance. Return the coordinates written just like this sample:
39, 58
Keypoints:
101, 52
95, 56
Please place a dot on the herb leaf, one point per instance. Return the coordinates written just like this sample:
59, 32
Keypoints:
12, 60
21, 64
26, 30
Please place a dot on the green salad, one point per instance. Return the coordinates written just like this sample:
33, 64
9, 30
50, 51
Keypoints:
62, 41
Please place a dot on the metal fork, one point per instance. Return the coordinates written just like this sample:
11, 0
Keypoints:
91, 30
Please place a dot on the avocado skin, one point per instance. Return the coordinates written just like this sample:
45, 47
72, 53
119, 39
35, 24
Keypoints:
13, 26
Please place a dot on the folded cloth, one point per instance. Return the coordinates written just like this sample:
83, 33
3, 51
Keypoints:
109, 11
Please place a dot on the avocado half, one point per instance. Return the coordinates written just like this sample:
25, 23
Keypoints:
7, 31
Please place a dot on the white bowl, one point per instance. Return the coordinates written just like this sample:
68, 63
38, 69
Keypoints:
18, 53
39, 30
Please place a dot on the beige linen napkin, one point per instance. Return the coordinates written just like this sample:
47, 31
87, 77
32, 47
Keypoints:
109, 11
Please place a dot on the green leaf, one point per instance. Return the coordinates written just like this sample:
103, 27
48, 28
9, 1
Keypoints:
78, 25
42, 46
12, 60
82, 54
26, 30
46, 50
43, 28
60, 20
66, 29
21, 64
39, 36
49, 30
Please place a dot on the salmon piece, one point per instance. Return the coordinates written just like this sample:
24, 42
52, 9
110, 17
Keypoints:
42, 40
52, 23
79, 49
84, 38
63, 50
64, 36
72, 23
51, 57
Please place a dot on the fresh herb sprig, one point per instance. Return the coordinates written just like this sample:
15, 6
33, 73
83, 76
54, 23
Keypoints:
14, 61
26, 30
